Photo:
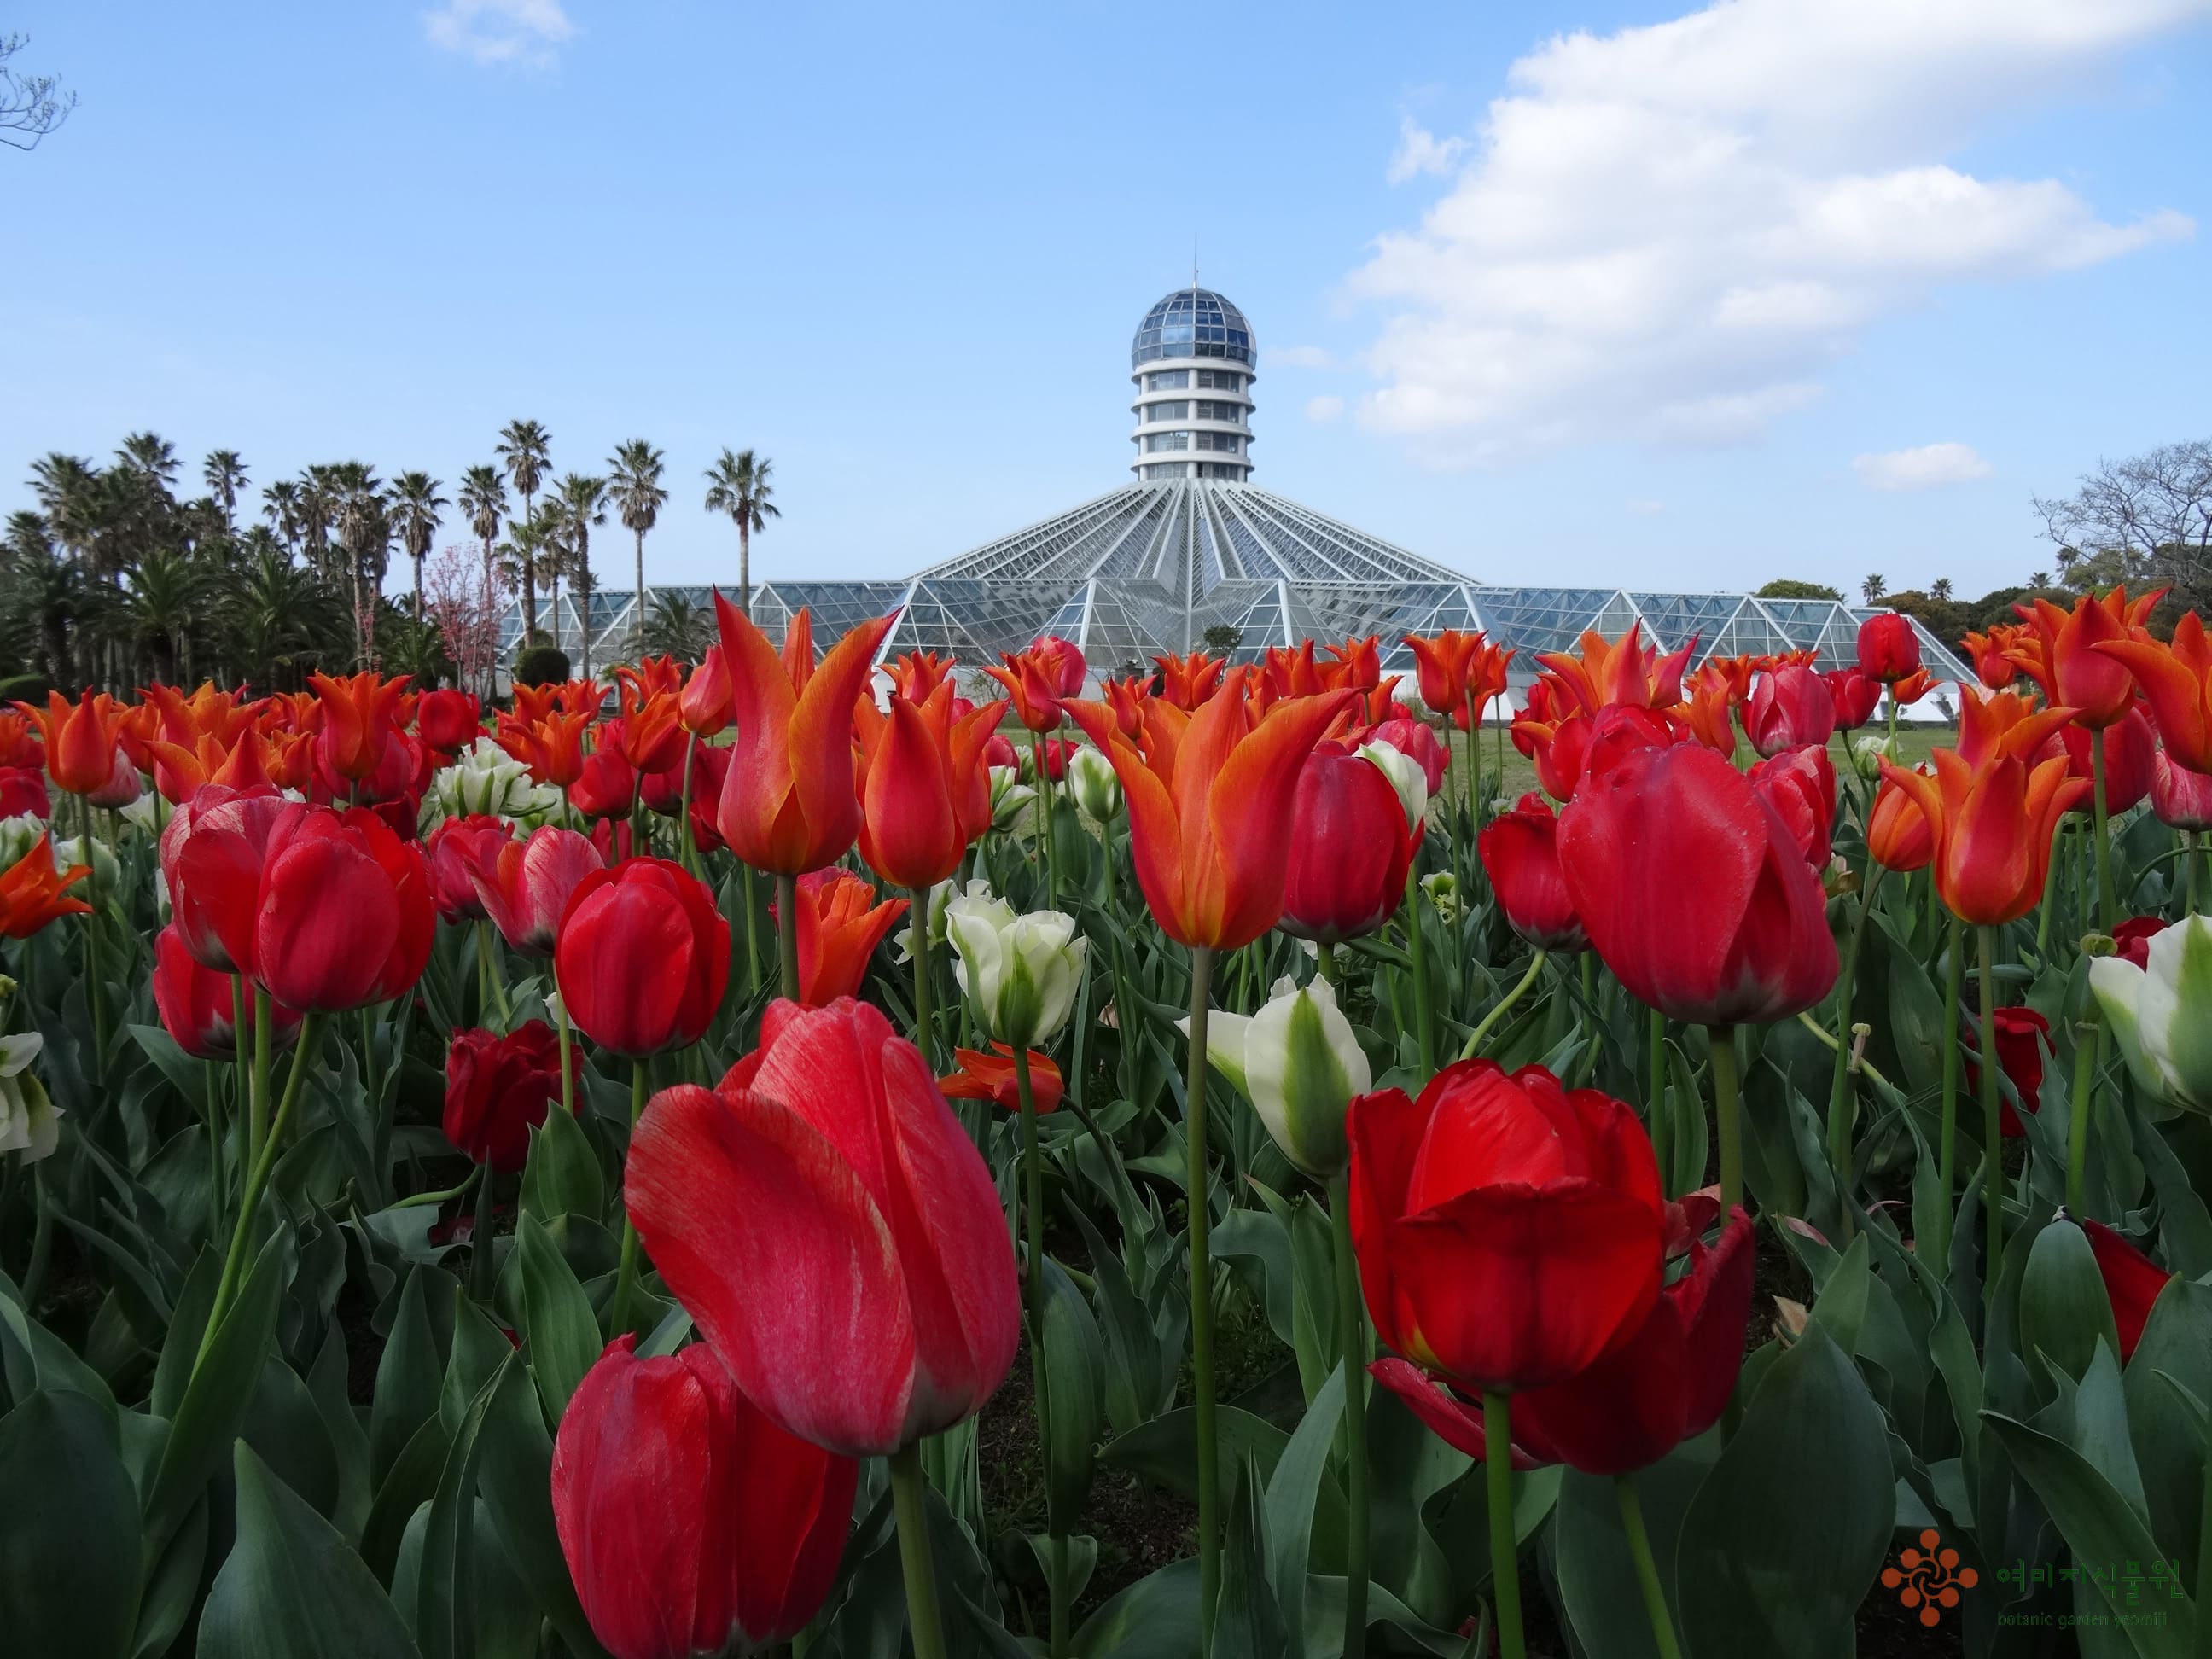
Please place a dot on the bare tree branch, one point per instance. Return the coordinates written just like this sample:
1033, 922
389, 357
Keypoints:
31, 106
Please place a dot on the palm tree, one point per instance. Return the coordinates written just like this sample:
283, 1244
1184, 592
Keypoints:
318, 499
224, 474
678, 629
525, 449
738, 484
1940, 590
582, 502
635, 488
415, 504
1873, 588
152, 454
164, 591
528, 540
483, 498
364, 526
280, 505
44, 592
281, 614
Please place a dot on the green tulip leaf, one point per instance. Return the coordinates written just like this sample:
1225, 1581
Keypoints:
557, 1317
69, 1531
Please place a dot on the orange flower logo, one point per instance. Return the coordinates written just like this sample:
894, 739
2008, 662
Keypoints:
1929, 1578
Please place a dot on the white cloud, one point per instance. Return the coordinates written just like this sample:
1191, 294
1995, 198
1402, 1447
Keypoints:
1324, 408
1929, 467
524, 32
1297, 356
1421, 151
1667, 234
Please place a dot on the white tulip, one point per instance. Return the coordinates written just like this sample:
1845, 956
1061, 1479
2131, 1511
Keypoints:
1299, 1063
27, 1117
487, 778
1010, 797
1405, 777
1019, 973
2162, 1015
1096, 787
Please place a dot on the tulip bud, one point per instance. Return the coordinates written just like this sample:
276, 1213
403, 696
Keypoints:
1407, 777
18, 836
1019, 973
27, 1115
1097, 789
1442, 889
105, 869
1010, 797
941, 898
2160, 1013
1868, 753
1299, 1063
487, 779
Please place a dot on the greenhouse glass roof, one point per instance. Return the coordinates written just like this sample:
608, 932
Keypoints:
1149, 567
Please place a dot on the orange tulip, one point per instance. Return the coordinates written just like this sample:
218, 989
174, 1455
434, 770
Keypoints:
1991, 827
652, 675
924, 794
534, 702
361, 716
918, 673
208, 711
552, 748
19, 746
1208, 795
1031, 679
1913, 687
81, 739
1992, 666
991, 1077
1187, 682
1898, 836
652, 736
2176, 680
1708, 714
706, 700
2058, 653
32, 892
788, 803
840, 925
179, 770
1126, 698
1442, 662
1992, 723
1293, 673
1623, 670
1357, 664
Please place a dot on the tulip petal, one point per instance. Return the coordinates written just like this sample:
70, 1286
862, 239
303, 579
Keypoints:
820, 744
772, 1243
1240, 860
327, 922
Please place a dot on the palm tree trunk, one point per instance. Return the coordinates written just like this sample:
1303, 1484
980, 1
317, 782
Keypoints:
491, 621
745, 569
637, 616
529, 575
418, 588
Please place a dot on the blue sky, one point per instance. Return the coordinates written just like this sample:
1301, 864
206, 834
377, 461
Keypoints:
1688, 299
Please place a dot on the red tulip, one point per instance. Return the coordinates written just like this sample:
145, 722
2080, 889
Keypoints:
81, 739
1414, 739
924, 793
788, 805
704, 704
1693, 890
454, 847
1520, 851
691, 1523
325, 911
2181, 799
403, 770
1856, 695
498, 1089
2131, 753
1666, 1383
1509, 1232
195, 1008
525, 884
1208, 794
991, 1077
23, 793
448, 720
1062, 663
20, 744
831, 1230
840, 925
246, 832
1889, 647
1032, 683
605, 786
2133, 1282
2134, 936
34, 892
643, 957
1788, 710
552, 748
2022, 1035
1800, 785
2062, 652
1350, 848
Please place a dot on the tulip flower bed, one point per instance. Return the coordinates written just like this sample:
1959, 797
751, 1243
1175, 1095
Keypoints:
781, 1167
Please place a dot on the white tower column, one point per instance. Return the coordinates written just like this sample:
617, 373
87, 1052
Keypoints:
1192, 364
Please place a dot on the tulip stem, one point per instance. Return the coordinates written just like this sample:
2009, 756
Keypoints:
1843, 1101
626, 1277
489, 961
92, 987
752, 938
918, 911
417, 1200
909, 1501
1474, 1045
2108, 903
368, 1059
257, 1119
1325, 962
480, 1248
568, 1061
1728, 1120
1946, 1158
685, 852
1474, 764
244, 1047
786, 934
1202, 1299
1418, 947
1353, 1329
257, 1178
2088, 1052
1040, 1379
1992, 1121
1647, 1570
1497, 1477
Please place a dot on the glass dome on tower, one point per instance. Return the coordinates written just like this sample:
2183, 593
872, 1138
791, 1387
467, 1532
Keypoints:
1194, 322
